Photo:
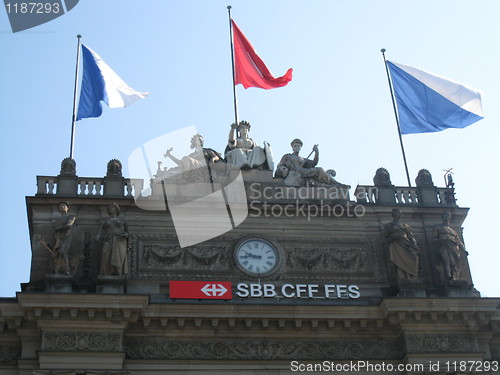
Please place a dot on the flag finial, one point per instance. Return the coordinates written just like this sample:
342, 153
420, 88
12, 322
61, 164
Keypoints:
229, 7
382, 50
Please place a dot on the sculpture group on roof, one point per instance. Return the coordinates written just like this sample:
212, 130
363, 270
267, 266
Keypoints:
242, 152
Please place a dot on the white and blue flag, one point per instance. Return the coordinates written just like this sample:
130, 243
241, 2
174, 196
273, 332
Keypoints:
429, 103
100, 82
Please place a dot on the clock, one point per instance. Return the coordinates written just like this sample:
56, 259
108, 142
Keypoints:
257, 256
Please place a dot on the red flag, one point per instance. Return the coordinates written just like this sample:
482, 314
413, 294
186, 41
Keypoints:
249, 68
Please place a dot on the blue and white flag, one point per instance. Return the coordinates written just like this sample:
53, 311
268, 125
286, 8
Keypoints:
429, 103
100, 82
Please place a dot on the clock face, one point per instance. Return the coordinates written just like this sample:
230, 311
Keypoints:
257, 256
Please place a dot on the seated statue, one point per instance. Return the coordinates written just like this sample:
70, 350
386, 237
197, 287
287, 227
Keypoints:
296, 170
195, 162
243, 152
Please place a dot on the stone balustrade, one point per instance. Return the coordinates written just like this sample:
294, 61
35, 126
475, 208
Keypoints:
401, 195
46, 185
88, 186
67, 183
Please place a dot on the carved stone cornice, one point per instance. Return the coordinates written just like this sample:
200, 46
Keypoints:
478, 305
468, 315
62, 306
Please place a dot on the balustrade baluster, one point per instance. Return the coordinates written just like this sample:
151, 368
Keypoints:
82, 187
442, 196
399, 196
413, 196
98, 187
50, 185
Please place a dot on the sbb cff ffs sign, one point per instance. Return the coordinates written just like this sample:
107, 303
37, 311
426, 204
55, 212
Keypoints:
201, 289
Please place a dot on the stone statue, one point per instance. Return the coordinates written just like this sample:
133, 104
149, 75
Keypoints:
403, 249
450, 247
242, 151
424, 178
382, 178
296, 170
114, 238
68, 167
194, 162
114, 168
61, 240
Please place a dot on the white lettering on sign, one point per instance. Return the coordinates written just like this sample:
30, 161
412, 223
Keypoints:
332, 291
213, 290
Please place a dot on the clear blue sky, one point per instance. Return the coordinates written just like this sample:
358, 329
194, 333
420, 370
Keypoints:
179, 52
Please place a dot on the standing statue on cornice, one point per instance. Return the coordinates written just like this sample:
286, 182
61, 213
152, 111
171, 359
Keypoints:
450, 247
243, 152
114, 238
296, 170
61, 241
403, 249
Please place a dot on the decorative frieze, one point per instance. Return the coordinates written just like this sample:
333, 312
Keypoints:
340, 260
155, 255
9, 353
441, 343
165, 257
266, 350
82, 341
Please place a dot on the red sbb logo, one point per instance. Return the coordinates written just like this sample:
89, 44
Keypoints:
201, 289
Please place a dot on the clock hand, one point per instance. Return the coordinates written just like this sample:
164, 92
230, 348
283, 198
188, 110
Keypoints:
255, 256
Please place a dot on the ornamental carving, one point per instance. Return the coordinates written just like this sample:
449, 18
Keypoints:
441, 343
424, 178
9, 353
162, 256
114, 168
331, 259
139, 349
82, 341
382, 178
68, 167
154, 255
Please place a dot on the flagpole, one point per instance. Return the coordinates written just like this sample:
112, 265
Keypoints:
396, 116
73, 125
232, 65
